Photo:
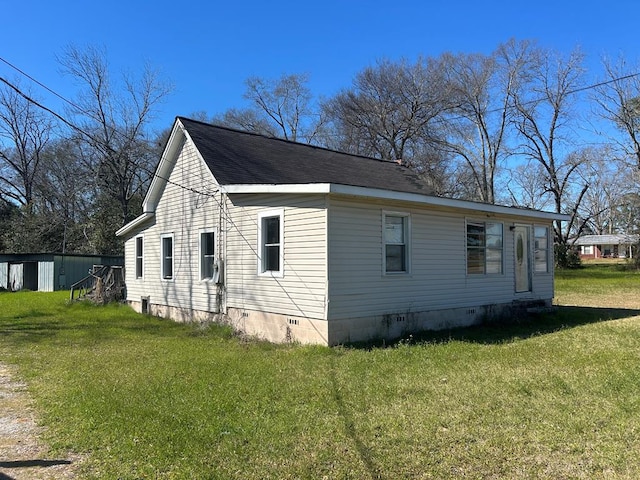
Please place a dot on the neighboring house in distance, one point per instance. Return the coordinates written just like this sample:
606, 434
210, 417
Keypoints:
293, 242
47, 272
606, 246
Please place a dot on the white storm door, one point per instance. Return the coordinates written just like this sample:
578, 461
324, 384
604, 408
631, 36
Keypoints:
523, 259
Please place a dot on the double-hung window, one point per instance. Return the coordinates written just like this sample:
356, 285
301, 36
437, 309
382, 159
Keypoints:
139, 256
271, 243
541, 247
166, 252
207, 255
484, 247
396, 242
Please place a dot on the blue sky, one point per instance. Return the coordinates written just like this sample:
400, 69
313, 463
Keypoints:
208, 48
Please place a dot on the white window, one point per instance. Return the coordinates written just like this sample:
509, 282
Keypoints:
484, 247
587, 249
541, 246
396, 242
207, 254
139, 256
166, 252
271, 243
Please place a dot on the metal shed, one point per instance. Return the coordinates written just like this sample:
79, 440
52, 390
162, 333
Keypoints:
47, 272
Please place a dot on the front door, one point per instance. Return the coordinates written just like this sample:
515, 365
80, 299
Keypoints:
523, 260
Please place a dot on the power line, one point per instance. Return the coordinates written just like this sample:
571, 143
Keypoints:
116, 131
43, 107
93, 139
22, 72
602, 84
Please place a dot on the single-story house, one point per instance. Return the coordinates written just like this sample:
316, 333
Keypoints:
617, 245
47, 272
288, 241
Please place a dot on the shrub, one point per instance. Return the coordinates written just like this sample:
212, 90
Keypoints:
567, 257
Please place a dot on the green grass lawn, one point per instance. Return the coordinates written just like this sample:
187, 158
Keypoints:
609, 283
556, 396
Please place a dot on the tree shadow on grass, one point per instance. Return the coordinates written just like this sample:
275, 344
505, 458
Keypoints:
357, 442
33, 463
512, 329
48, 330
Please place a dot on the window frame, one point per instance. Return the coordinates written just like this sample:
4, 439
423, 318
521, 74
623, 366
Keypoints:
406, 230
262, 246
163, 276
139, 256
547, 249
202, 255
484, 248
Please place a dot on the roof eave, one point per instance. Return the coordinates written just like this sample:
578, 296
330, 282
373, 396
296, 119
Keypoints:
135, 223
366, 192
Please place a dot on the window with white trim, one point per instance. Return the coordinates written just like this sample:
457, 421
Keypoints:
207, 254
541, 249
396, 242
484, 247
166, 252
271, 243
139, 256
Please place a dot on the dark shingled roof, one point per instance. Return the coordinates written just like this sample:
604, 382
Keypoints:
241, 158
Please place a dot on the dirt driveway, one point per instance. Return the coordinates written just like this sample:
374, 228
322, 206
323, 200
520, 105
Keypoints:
22, 454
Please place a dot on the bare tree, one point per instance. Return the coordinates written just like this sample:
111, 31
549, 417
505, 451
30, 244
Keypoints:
543, 118
249, 120
477, 127
525, 186
66, 194
599, 207
25, 131
627, 213
282, 108
619, 102
114, 118
390, 112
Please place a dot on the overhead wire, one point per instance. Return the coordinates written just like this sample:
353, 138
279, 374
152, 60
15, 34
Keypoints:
73, 126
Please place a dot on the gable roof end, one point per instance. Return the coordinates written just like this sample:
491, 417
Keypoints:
161, 174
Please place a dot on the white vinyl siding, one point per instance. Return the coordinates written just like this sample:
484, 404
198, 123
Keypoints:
438, 278
302, 287
184, 212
